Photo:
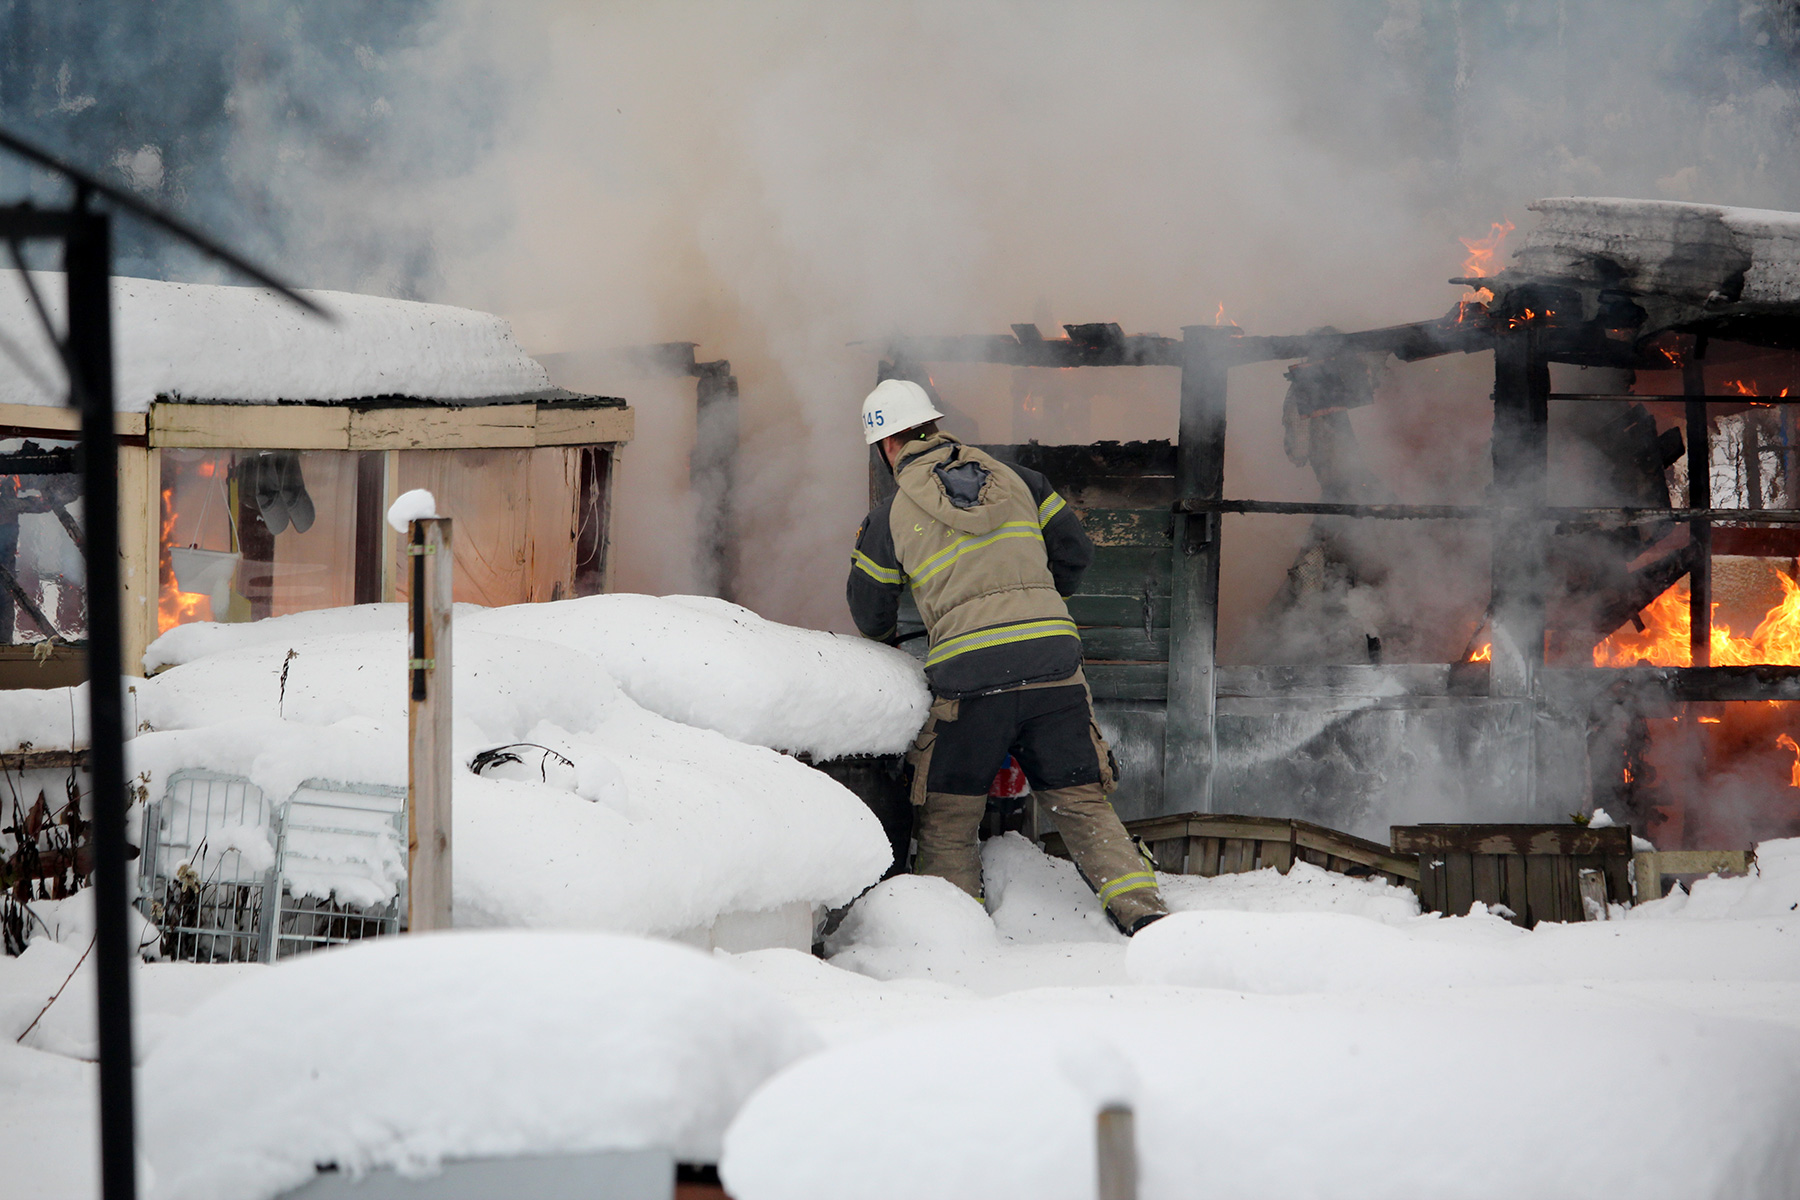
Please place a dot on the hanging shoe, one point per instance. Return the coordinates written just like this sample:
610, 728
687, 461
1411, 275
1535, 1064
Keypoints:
293, 492
263, 476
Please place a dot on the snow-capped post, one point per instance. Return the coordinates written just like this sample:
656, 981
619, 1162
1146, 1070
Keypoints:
1116, 1152
428, 767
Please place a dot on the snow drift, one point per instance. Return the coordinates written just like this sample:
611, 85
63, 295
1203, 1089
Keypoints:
620, 818
407, 1051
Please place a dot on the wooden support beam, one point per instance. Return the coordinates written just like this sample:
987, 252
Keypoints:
429, 763
1116, 1153
1190, 748
1699, 464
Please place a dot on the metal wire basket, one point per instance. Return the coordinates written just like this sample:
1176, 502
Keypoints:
230, 877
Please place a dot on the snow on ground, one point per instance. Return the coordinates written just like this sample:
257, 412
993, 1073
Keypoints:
965, 1052
194, 341
401, 1052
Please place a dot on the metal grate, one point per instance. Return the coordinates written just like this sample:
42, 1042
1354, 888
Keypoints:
229, 877
343, 865
207, 869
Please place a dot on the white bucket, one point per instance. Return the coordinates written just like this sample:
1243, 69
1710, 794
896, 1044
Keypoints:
209, 571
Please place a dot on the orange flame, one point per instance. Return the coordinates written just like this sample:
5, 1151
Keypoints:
1788, 743
174, 606
1219, 318
1485, 654
1664, 641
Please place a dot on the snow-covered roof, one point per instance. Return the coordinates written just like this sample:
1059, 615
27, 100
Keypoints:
1699, 253
207, 342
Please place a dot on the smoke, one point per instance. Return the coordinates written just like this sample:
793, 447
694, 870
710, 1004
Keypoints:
778, 180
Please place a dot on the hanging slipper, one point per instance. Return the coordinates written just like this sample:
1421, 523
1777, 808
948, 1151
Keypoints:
293, 493
263, 476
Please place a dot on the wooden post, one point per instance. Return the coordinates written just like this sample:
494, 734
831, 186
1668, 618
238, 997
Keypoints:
1521, 465
1116, 1152
1699, 465
1189, 742
429, 765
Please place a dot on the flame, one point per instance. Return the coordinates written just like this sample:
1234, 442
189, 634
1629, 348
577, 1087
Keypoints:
1479, 264
174, 606
1664, 641
1219, 318
1485, 654
1674, 356
1740, 388
1787, 743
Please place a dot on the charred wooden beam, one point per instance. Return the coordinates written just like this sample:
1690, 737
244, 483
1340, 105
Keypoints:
1699, 463
1190, 747
1575, 516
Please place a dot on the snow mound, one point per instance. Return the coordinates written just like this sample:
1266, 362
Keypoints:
989, 1108
404, 1052
1035, 898
710, 663
651, 827
47, 718
908, 912
1275, 953
1304, 888
1771, 890
416, 505
194, 341
1278, 1099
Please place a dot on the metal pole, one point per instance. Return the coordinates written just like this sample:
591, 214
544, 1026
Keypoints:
87, 260
429, 765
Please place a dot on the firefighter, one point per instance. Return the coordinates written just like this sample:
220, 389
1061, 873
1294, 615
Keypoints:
989, 551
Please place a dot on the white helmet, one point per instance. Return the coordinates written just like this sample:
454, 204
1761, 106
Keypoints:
895, 406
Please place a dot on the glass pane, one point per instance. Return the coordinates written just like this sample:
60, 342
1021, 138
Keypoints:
42, 580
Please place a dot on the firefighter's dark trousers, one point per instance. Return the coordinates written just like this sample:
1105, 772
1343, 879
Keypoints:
1052, 733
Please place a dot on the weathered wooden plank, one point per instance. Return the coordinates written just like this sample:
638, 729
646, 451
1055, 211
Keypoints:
1206, 850
1279, 855
1236, 855
1513, 891
1591, 885
1123, 644
1127, 571
1541, 900
250, 426
1485, 881
1128, 526
1510, 839
52, 419
1703, 862
1431, 884
1170, 854
1126, 611
469, 427
558, 426
1127, 681
43, 760
1358, 850
1646, 877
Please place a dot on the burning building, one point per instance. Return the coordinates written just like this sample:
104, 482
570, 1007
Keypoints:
1635, 643
261, 449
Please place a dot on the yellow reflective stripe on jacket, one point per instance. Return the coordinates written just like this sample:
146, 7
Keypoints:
873, 569
1002, 635
962, 545
1049, 508
1135, 881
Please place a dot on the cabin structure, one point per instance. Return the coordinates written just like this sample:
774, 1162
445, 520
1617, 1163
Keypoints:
1663, 339
260, 450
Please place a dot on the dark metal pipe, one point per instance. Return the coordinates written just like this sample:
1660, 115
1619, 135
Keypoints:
1699, 464
87, 259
